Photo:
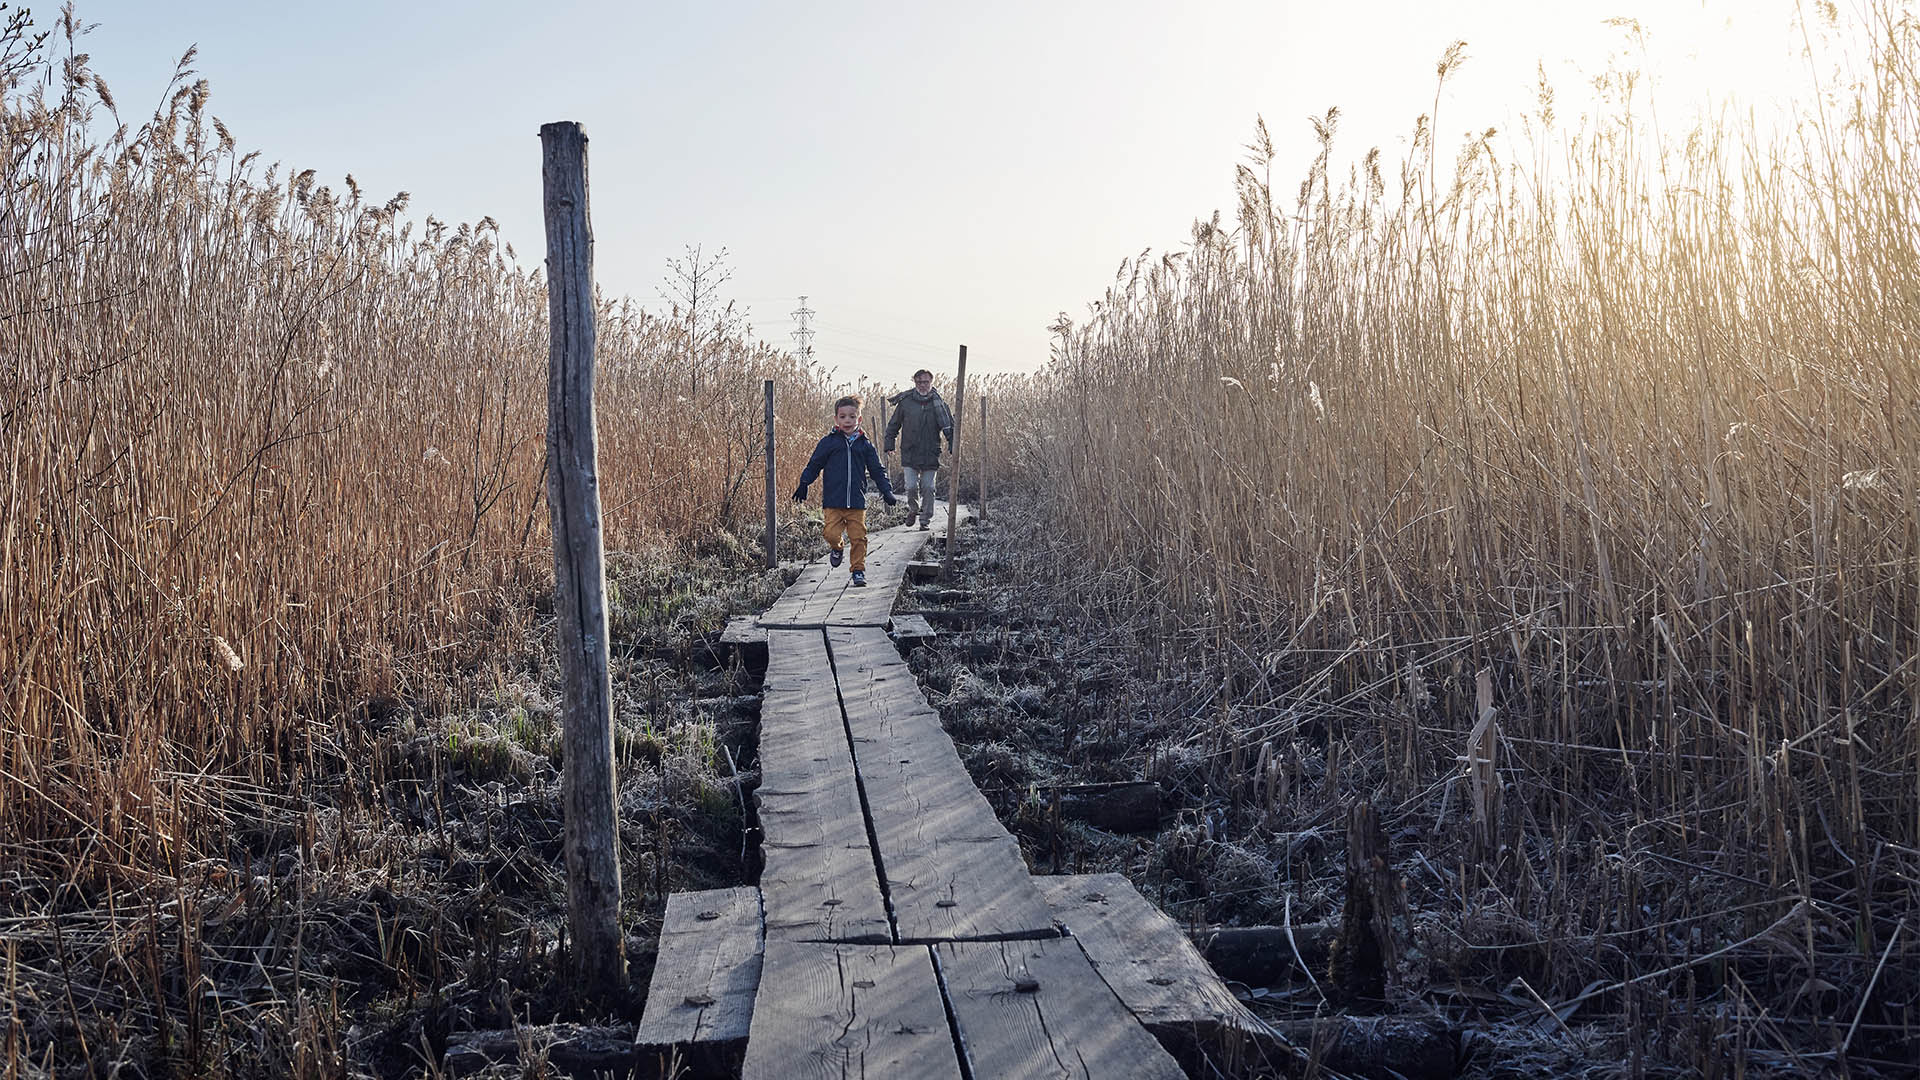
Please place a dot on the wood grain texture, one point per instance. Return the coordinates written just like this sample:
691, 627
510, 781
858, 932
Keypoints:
819, 882
1037, 1010
953, 871
708, 971
850, 1011
588, 790
1148, 961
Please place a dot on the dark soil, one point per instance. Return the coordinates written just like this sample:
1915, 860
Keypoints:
1064, 678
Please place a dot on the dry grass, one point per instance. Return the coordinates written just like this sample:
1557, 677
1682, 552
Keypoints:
271, 451
1631, 430
275, 728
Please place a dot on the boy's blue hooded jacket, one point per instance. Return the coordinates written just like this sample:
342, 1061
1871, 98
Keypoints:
843, 463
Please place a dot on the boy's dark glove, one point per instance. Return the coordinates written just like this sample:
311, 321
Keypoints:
800, 493
891, 501
889, 446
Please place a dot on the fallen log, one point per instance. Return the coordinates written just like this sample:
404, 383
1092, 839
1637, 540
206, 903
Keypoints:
1264, 955
1130, 806
1125, 806
1376, 1047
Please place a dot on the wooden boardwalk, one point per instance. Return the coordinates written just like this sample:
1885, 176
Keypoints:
901, 935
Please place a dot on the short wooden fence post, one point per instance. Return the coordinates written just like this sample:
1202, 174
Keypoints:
953, 482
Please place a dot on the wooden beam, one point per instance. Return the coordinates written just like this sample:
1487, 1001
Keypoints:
561, 1049
910, 630
588, 787
746, 639
983, 457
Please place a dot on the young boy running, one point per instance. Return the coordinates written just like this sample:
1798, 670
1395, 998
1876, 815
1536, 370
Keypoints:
844, 459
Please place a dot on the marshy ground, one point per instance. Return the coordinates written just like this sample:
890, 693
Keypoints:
416, 890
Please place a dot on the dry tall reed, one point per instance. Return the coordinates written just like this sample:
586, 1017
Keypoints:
271, 452
1632, 428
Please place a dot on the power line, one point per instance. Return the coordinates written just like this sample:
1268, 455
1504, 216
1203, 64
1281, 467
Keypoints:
890, 339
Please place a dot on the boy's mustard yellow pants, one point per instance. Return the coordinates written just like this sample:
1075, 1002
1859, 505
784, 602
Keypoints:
848, 526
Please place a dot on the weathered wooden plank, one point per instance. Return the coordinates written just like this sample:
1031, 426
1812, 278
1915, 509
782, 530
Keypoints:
708, 969
744, 630
744, 639
1037, 1010
823, 596
1152, 967
953, 871
910, 630
819, 882
887, 558
850, 1011
810, 591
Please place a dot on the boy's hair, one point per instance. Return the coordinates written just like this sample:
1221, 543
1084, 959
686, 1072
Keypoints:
846, 401
923, 371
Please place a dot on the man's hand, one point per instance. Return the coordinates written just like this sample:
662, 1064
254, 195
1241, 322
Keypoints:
889, 446
800, 493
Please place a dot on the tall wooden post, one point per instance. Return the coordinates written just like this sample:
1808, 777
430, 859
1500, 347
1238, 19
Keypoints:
773, 551
953, 482
588, 790
983, 457
886, 459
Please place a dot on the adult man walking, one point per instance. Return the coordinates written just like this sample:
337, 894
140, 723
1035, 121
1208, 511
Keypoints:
920, 419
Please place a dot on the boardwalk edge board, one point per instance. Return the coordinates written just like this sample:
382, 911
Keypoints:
1028, 1008
708, 970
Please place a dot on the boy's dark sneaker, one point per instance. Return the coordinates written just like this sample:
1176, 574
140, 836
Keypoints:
860, 579
833, 557
923, 526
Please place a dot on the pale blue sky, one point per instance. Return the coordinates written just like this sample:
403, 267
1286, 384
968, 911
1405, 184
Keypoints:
927, 174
